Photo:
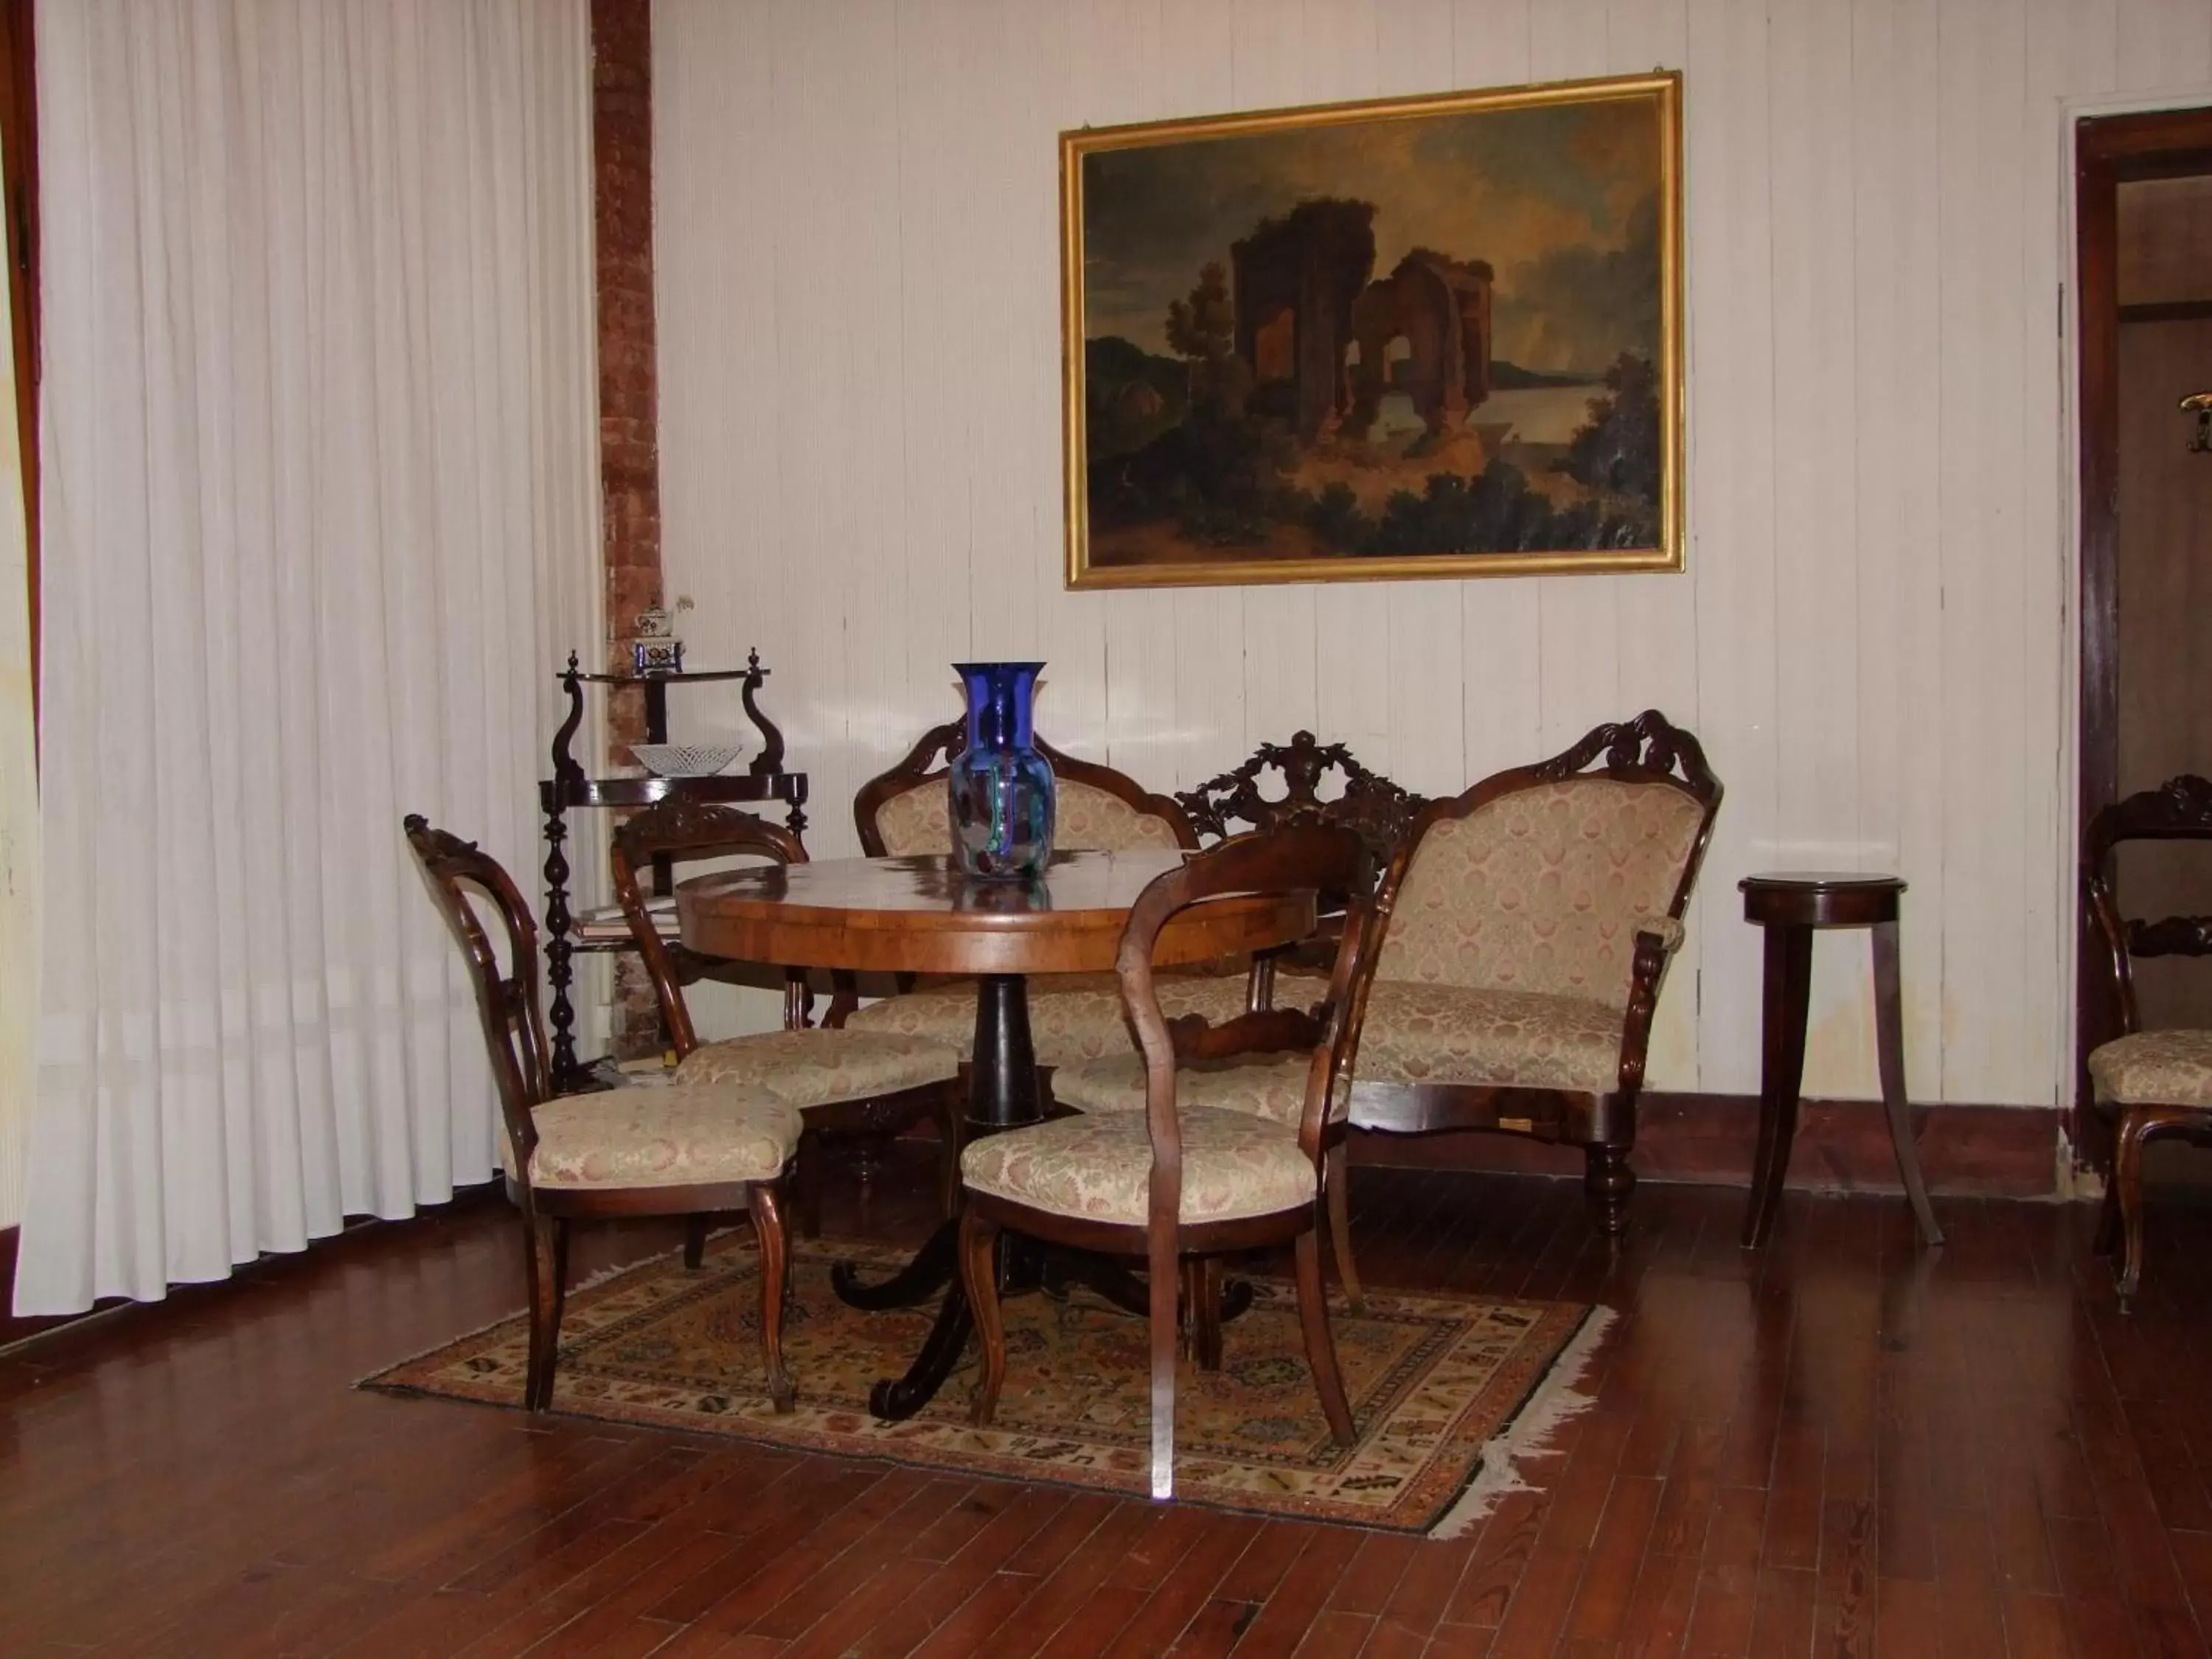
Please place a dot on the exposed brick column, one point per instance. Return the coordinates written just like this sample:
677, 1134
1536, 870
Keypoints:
629, 395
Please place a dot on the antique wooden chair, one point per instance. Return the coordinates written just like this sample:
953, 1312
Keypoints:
2155, 1083
1523, 931
1223, 1146
644, 1151
856, 1084
1072, 1017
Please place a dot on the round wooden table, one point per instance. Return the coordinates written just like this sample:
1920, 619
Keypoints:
919, 915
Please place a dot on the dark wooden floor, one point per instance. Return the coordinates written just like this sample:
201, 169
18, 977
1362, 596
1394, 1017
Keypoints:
1839, 1445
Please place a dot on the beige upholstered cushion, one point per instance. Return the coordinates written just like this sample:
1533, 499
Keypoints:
819, 1068
917, 823
672, 1136
1418, 1033
1269, 1086
1072, 1017
1088, 819
1085, 820
1543, 890
1100, 1167
2154, 1068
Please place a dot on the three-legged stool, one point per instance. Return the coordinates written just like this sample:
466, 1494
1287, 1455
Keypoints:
1790, 906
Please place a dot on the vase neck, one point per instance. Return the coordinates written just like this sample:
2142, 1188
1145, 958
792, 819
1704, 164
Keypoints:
1000, 695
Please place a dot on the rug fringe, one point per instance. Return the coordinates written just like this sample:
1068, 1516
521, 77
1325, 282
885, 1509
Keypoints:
1556, 1399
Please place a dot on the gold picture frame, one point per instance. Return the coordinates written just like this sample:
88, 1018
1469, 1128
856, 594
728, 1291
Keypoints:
1246, 400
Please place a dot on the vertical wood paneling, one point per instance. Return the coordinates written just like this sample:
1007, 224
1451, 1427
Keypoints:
860, 440
1732, 503
1981, 69
1899, 673
1817, 785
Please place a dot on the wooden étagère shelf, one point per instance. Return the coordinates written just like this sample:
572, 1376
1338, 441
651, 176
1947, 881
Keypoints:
570, 786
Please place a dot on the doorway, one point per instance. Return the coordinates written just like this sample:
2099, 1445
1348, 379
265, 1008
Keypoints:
2143, 271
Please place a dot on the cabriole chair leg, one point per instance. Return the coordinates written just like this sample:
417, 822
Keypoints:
979, 1279
766, 1207
546, 1258
1334, 1173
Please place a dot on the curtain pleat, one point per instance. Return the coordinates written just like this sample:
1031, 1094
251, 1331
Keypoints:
319, 439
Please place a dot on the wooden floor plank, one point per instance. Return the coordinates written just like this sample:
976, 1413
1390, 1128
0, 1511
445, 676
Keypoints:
1839, 1445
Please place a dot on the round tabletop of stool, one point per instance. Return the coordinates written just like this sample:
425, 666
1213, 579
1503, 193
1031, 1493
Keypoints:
1820, 898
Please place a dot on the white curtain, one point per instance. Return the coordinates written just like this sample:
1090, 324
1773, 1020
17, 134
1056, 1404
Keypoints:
319, 521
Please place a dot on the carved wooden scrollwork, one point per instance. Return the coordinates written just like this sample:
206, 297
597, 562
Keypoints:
694, 828
1373, 807
1648, 746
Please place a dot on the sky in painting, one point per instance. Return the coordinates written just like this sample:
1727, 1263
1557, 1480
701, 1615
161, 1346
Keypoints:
1562, 200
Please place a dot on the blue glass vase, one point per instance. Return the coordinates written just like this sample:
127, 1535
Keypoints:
1002, 789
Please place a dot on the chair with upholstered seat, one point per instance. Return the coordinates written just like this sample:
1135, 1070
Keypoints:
1523, 932
1228, 1152
861, 1085
623, 1152
906, 813
2154, 1084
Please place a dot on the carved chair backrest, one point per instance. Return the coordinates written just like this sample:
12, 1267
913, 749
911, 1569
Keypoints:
2180, 809
1539, 877
679, 831
1308, 858
506, 1000
905, 813
1369, 805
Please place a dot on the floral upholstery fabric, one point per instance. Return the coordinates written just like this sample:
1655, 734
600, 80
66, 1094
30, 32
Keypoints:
1085, 820
1418, 1033
1272, 1087
918, 824
2154, 1068
1100, 1168
1088, 819
1543, 890
1072, 1017
672, 1136
820, 1068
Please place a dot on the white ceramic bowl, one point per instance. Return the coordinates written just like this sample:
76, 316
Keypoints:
685, 760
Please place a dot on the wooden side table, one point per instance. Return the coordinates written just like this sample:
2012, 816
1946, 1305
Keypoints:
1789, 905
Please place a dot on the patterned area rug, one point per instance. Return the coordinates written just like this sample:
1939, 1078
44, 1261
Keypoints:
1446, 1388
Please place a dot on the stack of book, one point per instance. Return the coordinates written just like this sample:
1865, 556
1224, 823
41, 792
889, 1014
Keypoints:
606, 925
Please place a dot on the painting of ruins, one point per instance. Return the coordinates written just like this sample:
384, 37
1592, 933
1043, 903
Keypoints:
1432, 337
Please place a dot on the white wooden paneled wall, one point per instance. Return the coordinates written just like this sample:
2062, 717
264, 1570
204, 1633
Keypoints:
861, 460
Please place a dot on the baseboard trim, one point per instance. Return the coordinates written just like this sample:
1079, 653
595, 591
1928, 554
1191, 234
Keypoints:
13, 1328
16, 1328
1842, 1145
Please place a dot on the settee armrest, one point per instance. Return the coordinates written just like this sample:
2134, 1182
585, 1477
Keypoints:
1657, 938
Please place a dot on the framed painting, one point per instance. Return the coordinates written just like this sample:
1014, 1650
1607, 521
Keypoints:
1421, 337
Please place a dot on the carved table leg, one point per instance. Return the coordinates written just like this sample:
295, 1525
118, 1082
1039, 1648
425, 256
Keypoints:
1889, 1049
1788, 985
